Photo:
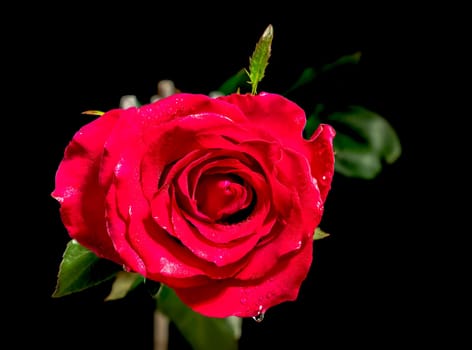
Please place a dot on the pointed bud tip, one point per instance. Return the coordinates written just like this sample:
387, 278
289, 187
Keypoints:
269, 31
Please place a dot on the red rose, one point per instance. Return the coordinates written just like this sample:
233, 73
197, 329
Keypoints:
218, 198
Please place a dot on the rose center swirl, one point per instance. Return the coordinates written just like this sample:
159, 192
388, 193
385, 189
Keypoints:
223, 197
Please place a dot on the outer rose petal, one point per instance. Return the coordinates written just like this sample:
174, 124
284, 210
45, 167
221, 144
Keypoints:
320, 154
183, 105
232, 298
77, 189
273, 113
126, 134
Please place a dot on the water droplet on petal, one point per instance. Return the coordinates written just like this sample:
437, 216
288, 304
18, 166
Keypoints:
260, 315
258, 318
243, 300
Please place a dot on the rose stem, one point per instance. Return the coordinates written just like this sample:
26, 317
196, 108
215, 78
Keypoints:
161, 330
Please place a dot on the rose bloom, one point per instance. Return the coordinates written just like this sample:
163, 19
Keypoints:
217, 198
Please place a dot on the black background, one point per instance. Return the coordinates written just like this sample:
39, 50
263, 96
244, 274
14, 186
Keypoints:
364, 288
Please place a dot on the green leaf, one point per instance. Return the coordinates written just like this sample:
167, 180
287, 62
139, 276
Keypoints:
81, 269
232, 84
347, 59
201, 332
309, 74
123, 284
313, 121
320, 234
364, 142
260, 58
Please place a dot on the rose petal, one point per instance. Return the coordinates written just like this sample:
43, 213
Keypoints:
221, 196
260, 218
192, 239
126, 134
230, 297
320, 154
78, 190
174, 141
220, 163
183, 105
273, 113
221, 254
269, 155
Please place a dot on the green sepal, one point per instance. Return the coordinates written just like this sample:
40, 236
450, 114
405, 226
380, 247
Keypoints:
201, 332
124, 283
80, 269
320, 234
260, 58
93, 112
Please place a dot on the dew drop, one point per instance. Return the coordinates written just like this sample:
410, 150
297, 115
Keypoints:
243, 300
260, 315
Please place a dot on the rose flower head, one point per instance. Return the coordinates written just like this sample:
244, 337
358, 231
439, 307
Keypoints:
217, 198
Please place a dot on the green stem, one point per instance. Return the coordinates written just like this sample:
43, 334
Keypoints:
161, 330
